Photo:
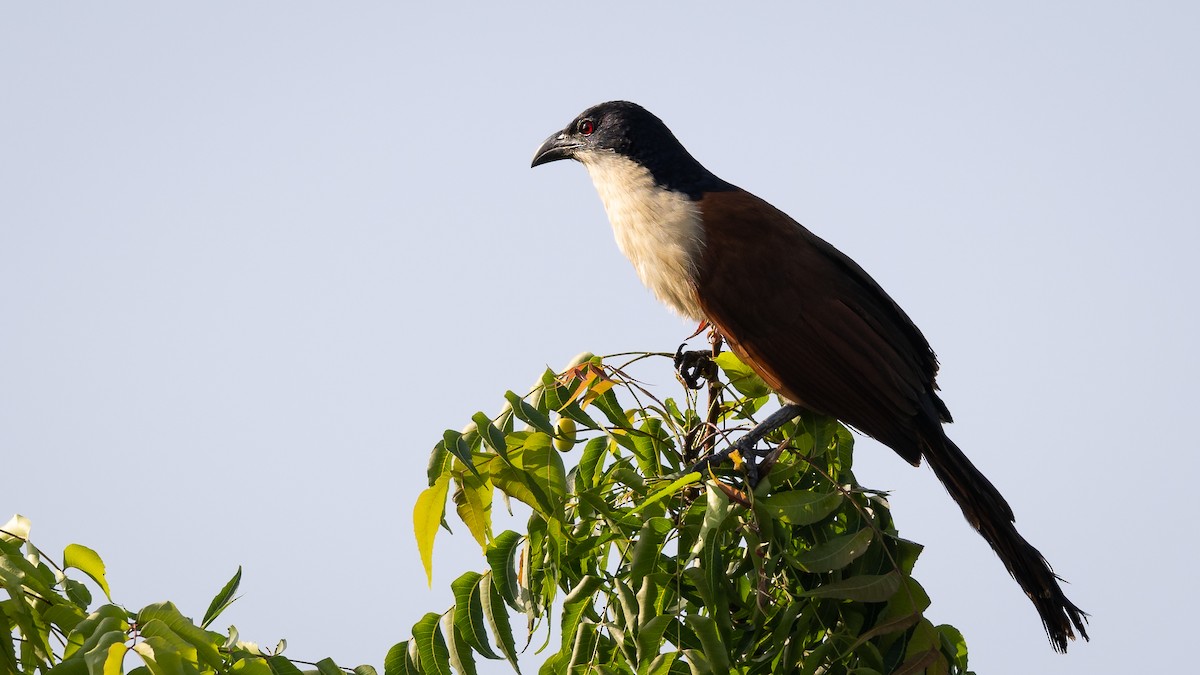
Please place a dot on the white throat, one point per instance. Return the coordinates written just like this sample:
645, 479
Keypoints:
659, 230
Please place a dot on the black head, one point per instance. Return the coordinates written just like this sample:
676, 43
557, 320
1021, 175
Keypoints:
629, 130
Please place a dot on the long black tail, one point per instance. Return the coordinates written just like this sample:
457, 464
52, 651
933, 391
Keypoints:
986, 509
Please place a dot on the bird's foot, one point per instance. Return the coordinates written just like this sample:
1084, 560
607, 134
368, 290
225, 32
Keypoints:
745, 455
694, 366
747, 447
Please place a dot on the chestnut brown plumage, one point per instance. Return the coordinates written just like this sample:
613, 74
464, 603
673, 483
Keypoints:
815, 326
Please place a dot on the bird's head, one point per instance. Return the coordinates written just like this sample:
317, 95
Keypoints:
629, 131
618, 127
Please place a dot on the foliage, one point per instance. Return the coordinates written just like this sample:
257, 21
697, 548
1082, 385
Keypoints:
640, 567
629, 561
51, 629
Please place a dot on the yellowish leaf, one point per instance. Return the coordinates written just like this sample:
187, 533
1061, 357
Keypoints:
427, 516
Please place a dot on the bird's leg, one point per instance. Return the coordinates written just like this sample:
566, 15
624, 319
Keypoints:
694, 366
745, 446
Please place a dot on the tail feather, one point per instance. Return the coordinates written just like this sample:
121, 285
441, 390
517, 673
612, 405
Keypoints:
989, 513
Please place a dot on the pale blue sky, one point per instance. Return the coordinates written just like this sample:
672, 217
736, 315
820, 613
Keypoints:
255, 257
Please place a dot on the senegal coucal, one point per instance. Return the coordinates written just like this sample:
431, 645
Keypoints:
815, 326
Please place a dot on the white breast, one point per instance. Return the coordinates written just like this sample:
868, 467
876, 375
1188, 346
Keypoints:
659, 230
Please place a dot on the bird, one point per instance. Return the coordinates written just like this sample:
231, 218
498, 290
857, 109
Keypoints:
806, 318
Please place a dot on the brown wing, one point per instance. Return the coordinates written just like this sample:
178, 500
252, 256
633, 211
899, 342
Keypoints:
814, 325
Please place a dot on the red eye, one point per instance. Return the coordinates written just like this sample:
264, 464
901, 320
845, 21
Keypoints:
586, 127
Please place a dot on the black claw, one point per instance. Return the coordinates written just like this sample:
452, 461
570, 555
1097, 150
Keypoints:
693, 367
746, 445
751, 471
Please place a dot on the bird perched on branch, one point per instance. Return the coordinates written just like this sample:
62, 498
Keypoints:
815, 326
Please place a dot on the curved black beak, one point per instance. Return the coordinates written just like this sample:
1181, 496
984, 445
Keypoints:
558, 146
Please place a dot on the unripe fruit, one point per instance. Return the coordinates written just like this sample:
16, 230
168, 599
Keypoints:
564, 434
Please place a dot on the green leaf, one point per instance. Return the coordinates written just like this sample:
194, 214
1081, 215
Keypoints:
629, 477
885, 627
440, 461
77, 593
576, 413
86, 633
427, 515
500, 555
781, 632
667, 491
529, 414
863, 588
577, 602
431, 644
910, 599
923, 650
37, 578
281, 665
608, 404
326, 666
461, 657
65, 616
663, 664
396, 661
107, 657
497, 617
162, 659
554, 393
492, 437
801, 507
649, 641
553, 665
468, 613
649, 594
592, 462
545, 464
627, 619
365, 670
159, 629
741, 376
715, 650
716, 511
650, 443
87, 561
835, 553
76, 666
584, 648
518, 484
536, 475
922, 662
473, 501
251, 665
453, 441
223, 599
907, 553
648, 547
954, 645
697, 662
818, 659
204, 642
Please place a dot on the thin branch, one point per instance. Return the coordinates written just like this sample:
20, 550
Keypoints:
714, 393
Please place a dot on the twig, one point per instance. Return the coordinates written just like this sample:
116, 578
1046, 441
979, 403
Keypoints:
714, 394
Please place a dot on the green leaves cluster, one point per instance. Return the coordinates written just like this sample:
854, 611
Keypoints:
629, 564
50, 626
